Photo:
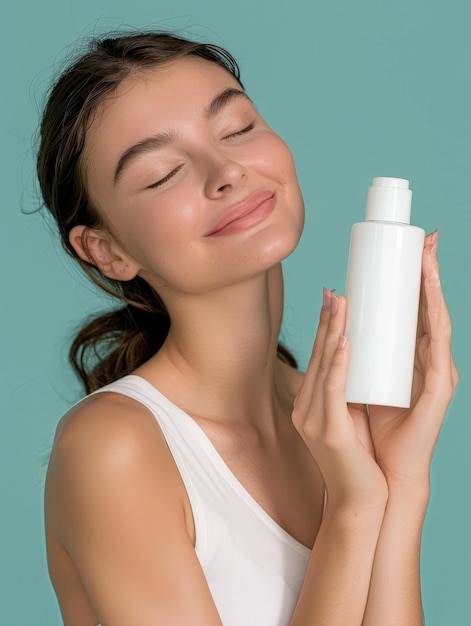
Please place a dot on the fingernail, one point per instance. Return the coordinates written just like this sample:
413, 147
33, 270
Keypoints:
326, 298
342, 342
334, 304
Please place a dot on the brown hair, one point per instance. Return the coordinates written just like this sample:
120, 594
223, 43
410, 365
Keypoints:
113, 344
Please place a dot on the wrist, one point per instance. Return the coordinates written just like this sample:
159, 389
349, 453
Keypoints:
408, 502
409, 490
370, 501
354, 515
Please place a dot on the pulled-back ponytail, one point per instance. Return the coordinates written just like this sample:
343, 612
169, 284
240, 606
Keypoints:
114, 344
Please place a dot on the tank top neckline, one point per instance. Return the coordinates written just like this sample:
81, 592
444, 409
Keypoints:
203, 439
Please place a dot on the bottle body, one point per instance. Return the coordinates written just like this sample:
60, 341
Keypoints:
383, 288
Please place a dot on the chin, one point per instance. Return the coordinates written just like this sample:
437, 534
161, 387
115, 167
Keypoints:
278, 242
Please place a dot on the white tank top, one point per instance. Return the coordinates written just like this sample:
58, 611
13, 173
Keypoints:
253, 567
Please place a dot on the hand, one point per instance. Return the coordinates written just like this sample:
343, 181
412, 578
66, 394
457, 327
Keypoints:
337, 435
404, 439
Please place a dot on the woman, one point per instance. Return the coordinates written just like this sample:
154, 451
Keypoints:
209, 481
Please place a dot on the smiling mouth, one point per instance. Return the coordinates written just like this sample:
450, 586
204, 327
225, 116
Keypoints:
245, 214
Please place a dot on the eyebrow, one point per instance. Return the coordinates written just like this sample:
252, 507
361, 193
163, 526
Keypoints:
222, 99
160, 140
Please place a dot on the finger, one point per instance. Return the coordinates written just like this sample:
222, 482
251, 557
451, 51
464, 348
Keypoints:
438, 318
325, 427
430, 238
423, 326
335, 329
328, 306
304, 395
339, 427
439, 376
332, 322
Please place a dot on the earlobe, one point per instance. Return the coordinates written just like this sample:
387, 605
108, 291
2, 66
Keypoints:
95, 246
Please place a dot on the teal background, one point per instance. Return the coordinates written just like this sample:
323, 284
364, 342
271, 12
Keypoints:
358, 89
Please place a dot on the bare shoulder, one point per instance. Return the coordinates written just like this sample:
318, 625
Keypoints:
103, 419
104, 441
118, 522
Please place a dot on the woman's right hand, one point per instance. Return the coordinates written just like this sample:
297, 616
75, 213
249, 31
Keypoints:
337, 434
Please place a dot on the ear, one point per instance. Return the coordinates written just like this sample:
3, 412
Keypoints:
95, 246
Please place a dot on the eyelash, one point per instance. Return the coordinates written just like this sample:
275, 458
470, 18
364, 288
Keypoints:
165, 178
171, 174
241, 132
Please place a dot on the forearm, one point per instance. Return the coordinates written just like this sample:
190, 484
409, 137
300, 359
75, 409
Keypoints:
337, 580
394, 598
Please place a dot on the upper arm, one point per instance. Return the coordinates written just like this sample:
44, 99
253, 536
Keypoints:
116, 502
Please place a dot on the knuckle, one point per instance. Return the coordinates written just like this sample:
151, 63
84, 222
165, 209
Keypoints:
323, 369
316, 354
335, 440
451, 387
331, 440
446, 329
310, 430
324, 317
331, 387
308, 425
441, 390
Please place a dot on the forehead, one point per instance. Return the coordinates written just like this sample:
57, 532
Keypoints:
152, 100
180, 88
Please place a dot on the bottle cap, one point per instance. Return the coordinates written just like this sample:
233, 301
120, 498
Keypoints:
389, 200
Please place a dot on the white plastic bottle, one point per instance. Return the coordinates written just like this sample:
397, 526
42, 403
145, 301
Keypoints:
383, 288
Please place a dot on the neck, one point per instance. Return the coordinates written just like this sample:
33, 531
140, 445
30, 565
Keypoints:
221, 348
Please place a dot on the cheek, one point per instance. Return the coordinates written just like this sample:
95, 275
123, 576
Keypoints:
274, 156
283, 167
161, 239
159, 224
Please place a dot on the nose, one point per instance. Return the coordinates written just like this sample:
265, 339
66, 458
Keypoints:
223, 174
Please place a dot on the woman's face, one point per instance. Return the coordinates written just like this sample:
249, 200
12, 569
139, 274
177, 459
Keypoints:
195, 187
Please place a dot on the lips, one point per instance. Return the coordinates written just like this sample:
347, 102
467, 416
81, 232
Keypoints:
244, 214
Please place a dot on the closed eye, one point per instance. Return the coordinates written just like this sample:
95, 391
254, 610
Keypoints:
241, 132
166, 178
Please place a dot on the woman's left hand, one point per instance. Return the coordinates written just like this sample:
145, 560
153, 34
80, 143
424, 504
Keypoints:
404, 439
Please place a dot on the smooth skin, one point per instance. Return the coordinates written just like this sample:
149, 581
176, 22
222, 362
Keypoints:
120, 531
